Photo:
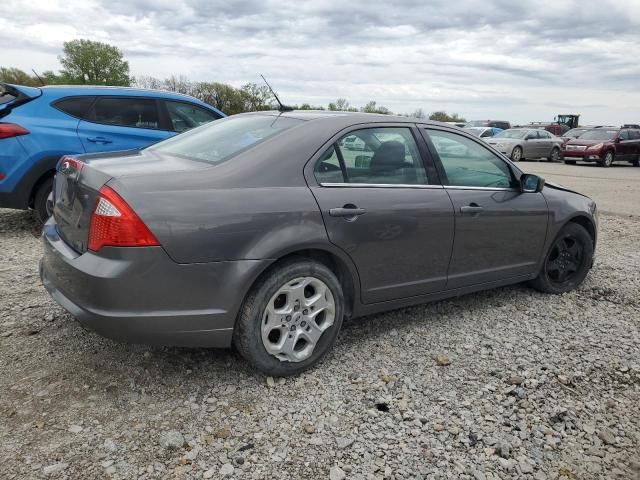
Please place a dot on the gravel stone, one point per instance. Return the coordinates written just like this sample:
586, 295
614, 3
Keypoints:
226, 470
172, 440
380, 405
336, 473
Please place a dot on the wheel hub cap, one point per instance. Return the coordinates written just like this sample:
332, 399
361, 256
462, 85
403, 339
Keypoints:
295, 318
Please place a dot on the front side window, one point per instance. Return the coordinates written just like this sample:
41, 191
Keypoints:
185, 116
127, 112
219, 141
467, 164
624, 135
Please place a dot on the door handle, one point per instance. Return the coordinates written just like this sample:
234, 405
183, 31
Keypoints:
473, 209
99, 140
347, 211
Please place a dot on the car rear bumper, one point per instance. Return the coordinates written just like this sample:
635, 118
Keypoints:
140, 295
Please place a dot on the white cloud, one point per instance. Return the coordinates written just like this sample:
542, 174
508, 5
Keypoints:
515, 60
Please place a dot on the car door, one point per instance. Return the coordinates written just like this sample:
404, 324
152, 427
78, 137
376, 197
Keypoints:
546, 143
121, 123
532, 148
624, 147
380, 207
500, 232
634, 136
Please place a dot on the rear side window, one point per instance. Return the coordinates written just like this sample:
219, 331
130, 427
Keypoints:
127, 112
387, 156
226, 138
634, 134
185, 116
327, 169
75, 106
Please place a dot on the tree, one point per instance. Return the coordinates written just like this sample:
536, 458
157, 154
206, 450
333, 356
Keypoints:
17, 77
372, 107
418, 114
442, 116
340, 105
95, 63
256, 98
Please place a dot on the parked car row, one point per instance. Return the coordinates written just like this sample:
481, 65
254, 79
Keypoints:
39, 125
604, 146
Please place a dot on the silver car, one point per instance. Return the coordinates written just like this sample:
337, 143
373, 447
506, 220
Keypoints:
522, 143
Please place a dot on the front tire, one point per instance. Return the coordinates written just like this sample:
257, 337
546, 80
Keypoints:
607, 160
516, 154
291, 318
567, 262
40, 200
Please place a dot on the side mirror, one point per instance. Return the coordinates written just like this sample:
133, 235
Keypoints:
530, 183
617, 140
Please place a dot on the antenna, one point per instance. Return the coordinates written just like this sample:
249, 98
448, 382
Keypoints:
283, 108
36, 74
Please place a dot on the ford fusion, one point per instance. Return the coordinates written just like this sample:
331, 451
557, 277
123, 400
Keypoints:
266, 230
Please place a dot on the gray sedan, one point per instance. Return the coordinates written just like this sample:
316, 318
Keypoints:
527, 143
266, 231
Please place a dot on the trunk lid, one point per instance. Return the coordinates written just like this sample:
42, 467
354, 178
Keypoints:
12, 96
78, 180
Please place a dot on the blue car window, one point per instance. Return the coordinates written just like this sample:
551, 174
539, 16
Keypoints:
185, 116
127, 112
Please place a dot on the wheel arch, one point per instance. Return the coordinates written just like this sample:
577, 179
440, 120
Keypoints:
587, 223
341, 267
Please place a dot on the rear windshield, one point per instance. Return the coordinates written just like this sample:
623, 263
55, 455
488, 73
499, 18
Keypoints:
6, 95
599, 134
220, 140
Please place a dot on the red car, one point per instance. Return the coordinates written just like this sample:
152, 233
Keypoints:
604, 146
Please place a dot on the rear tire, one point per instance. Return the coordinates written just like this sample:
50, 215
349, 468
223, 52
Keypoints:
607, 160
636, 162
259, 318
567, 262
516, 154
40, 203
555, 155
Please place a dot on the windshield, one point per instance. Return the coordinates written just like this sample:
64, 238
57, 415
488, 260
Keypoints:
575, 132
598, 134
218, 141
511, 134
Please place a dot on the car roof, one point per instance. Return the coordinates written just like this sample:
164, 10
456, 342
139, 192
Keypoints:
350, 118
70, 90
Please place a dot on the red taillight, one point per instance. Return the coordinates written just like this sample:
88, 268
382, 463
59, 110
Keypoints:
113, 223
68, 165
8, 130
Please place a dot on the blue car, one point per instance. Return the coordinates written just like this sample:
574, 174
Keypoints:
39, 125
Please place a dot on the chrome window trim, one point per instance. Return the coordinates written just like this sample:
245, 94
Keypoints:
381, 185
496, 189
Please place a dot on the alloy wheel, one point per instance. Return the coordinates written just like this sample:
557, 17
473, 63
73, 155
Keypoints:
555, 155
516, 155
296, 317
565, 259
608, 159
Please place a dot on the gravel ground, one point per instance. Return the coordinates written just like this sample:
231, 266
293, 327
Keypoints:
503, 384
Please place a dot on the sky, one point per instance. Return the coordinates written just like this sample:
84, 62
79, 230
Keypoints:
513, 60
